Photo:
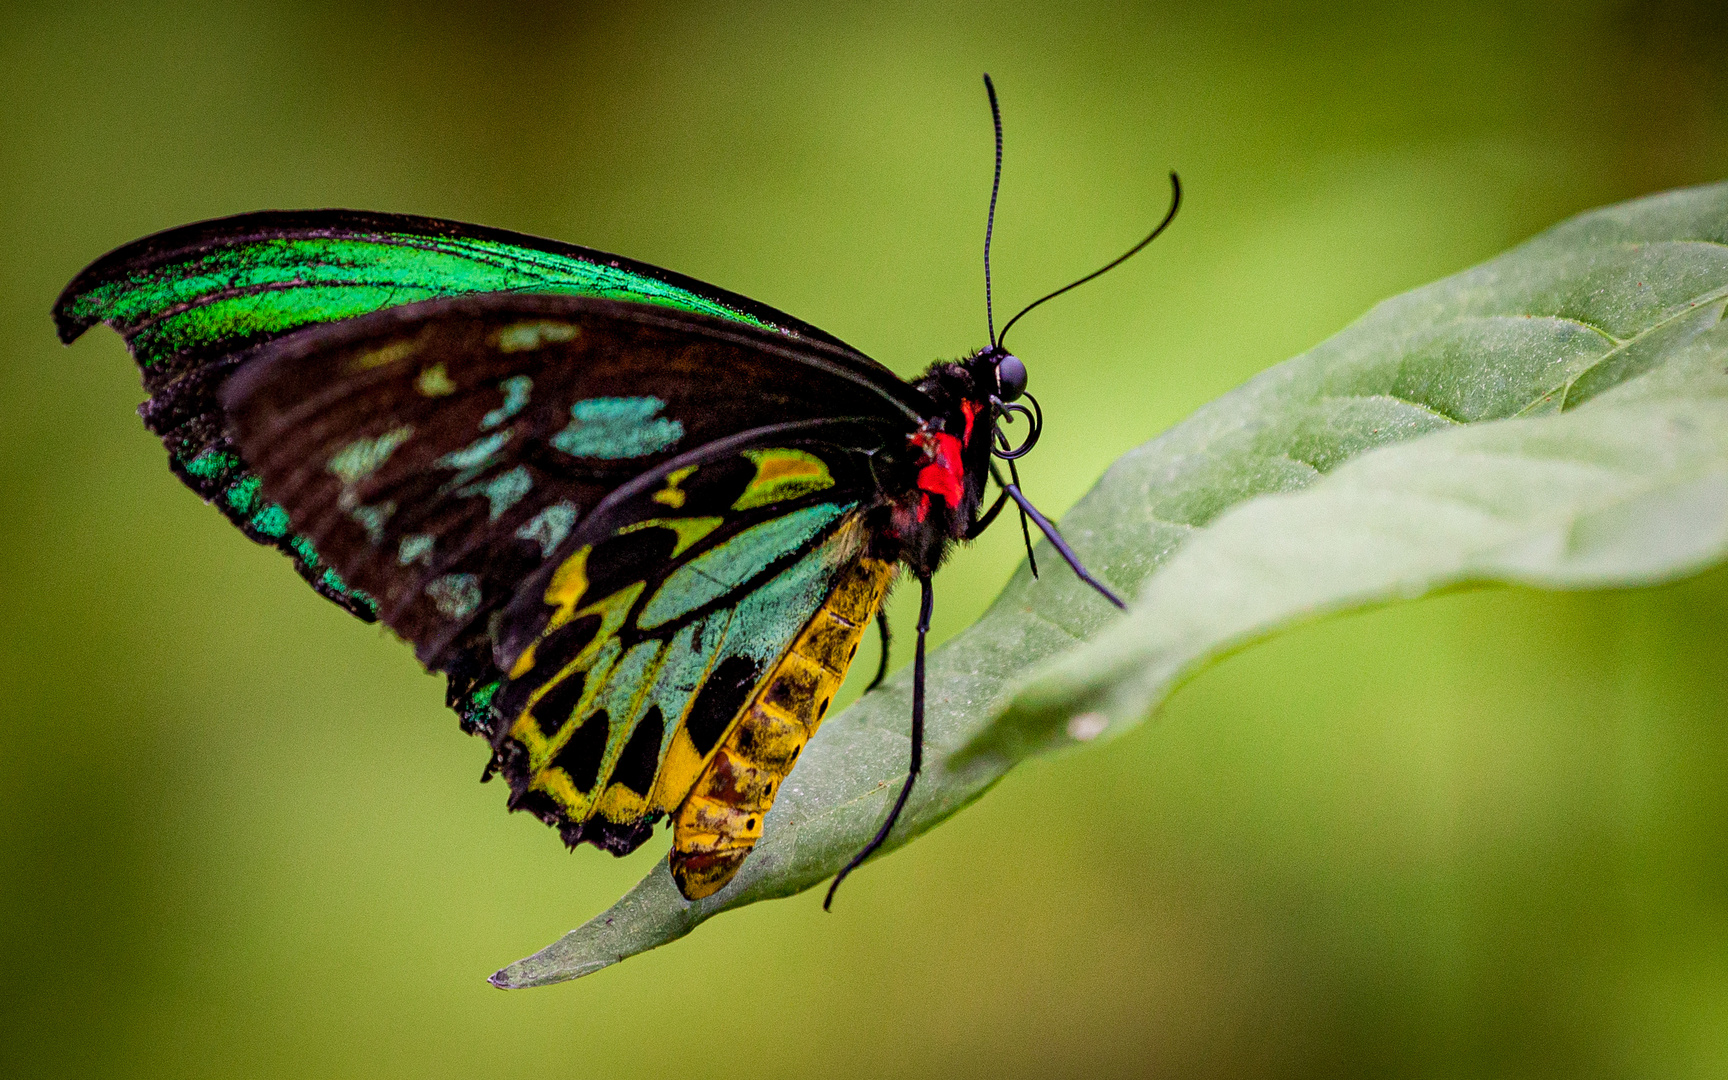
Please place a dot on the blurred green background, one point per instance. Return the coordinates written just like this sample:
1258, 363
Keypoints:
1481, 836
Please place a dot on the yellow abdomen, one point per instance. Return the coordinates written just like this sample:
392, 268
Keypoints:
721, 819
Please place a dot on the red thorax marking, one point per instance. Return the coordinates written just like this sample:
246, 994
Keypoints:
943, 476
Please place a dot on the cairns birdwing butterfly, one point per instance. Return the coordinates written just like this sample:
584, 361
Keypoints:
639, 522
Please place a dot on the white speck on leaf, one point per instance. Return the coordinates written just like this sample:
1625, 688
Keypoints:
1087, 726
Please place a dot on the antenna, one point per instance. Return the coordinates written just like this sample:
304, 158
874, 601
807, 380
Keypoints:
1175, 203
990, 222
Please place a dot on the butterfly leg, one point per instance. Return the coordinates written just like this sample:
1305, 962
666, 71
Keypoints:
1025, 534
983, 523
1061, 545
881, 665
925, 602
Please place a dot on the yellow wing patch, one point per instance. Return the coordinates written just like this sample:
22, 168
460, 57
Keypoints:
568, 585
384, 354
670, 495
435, 382
783, 474
526, 336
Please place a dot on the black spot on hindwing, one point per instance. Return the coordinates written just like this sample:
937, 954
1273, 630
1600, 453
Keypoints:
580, 757
555, 707
640, 758
720, 699
619, 561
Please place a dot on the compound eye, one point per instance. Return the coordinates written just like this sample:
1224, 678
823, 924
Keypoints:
1010, 377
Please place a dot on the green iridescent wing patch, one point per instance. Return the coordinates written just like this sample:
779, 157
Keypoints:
209, 289
192, 303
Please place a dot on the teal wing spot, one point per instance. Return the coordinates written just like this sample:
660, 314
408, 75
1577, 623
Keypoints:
474, 707
265, 517
303, 548
482, 698
212, 463
272, 521
617, 427
456, 596
549, 527
502, 491
243, 495
362, 457
516, 390
476, 455
333, 581
727, 566
373, 519
413, 548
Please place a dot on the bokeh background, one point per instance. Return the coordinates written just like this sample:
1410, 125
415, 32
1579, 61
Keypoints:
1485, 835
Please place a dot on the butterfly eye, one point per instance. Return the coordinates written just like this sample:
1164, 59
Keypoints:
1010, 376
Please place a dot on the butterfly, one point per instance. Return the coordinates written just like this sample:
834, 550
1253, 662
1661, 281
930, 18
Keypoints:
639, 522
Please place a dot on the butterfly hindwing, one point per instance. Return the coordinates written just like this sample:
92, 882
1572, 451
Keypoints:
194, 303
653, 636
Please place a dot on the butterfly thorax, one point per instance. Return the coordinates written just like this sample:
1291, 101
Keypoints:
935, 485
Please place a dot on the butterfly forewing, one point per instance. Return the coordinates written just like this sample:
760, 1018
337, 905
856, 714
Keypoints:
195, 302
437, 454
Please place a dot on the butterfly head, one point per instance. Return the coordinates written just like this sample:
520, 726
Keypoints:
1000, 377
1010, 376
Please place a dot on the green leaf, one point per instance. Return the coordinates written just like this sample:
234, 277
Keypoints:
1557, 417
